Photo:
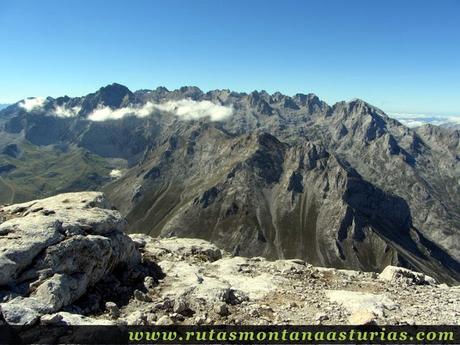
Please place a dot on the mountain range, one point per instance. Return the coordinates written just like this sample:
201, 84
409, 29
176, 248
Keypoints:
258, 174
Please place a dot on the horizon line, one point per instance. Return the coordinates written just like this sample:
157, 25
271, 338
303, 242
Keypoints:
388, 112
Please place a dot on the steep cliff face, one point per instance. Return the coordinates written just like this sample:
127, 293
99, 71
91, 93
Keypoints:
258, 174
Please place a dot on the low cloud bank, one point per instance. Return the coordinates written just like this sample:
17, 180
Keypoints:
106, 113
189, 109
64, 111
454, 119
417, 120
32, 103
186, 109
38, 103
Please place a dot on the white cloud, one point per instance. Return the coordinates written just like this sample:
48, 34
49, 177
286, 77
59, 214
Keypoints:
64, 111
115, 173
416, 120
412, 123
106, 113
37, 103
186, 109
454, 119
410, 116
189, 109
32, 103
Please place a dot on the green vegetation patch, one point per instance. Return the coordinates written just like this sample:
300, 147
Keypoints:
45, 171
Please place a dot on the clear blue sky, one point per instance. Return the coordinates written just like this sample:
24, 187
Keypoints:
400, 55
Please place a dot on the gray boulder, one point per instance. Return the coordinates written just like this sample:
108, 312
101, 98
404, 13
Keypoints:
396, 274
52, 250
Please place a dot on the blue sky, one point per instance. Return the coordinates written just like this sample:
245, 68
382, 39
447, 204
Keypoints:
402, 56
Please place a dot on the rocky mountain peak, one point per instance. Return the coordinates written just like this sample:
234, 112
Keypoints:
259, 102
304, 99
113, 96
192, 92
278, 97
445, 139
289, 103
312, 102
161, 89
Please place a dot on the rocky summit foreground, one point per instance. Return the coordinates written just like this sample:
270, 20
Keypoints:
52, 250
66, 260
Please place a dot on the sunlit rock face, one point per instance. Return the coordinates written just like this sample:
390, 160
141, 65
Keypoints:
54, 249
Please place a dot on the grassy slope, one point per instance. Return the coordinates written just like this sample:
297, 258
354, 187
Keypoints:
42, 171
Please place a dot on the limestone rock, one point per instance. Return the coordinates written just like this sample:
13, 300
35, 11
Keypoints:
164, 321
362, 317
113, 309
394, 274
54, 249
222, 309
354, 301
183, 281
136, 318
321, 317
197, 248
69, 319
181, 306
